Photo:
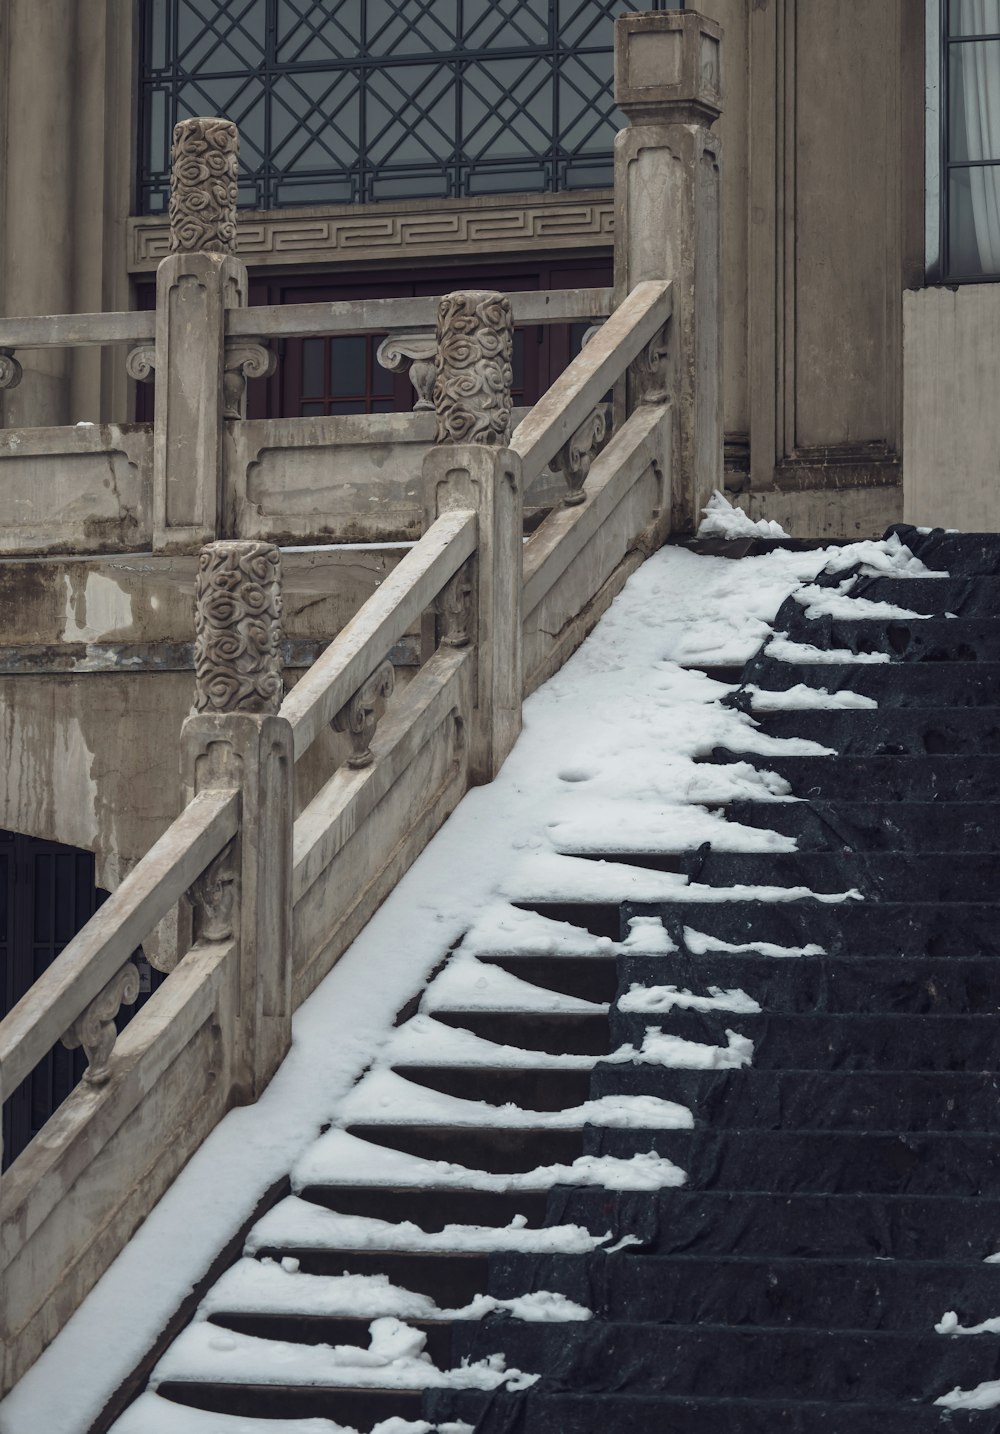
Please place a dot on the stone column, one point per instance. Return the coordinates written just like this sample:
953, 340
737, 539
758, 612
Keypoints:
195, 284
235, 737
471, 466
667, 226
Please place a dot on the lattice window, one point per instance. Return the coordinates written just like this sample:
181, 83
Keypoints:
359, 100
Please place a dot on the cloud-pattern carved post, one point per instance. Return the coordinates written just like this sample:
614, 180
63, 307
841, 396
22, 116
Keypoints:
203, 163
472, 370
237, 651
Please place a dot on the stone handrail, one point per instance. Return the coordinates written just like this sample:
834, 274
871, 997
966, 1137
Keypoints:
83, 971
633, 327
362, 645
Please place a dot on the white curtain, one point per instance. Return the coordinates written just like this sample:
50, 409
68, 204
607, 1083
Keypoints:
981, 100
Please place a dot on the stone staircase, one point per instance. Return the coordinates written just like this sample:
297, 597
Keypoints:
819, 1074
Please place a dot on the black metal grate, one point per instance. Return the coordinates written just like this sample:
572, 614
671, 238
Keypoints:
343, 101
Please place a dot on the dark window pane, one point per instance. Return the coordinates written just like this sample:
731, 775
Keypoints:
973, 17
383, 405
311, 410
313, 353
974, 101
353, 405
517, 360
974, 221
348, 366
383, 382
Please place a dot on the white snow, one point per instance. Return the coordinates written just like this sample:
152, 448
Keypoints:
723, 520
385, 1097
837, 603
660, 999
151, 1414
468, 984
802, 698
698, 943
678, 1054
889, 557
623, 720
984, 1396
299, 1224
394, 1359
503, 929
660, 829
338, 1158
424, 1041
785, 650
948, 1324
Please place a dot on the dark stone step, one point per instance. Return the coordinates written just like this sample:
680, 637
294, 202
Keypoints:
890, 684
835, 1042
330, 1329
876, 826
850, 928
596, 1413
817, 1294
592, 978
567, 1032
879, 876
722, 1222
353, 1408
922, 639
957, 554
493, 1148
824, 1162
841, 1366
798, 1100
431, 1209
883, 779
531, 1089
898, 732
810, 984
450, 1279
965, 597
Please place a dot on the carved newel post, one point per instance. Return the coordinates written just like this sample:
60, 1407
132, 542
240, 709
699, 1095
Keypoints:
200, 380
235, 737
471, 467
667, 226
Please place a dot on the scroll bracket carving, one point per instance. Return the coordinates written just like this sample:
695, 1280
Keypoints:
11, 371
243, 360
414, 351
651, 369
141, 363
454, 607
215, 898
577, 454
94, 1029
360, 716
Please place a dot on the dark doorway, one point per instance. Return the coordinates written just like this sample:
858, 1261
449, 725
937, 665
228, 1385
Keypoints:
47, 894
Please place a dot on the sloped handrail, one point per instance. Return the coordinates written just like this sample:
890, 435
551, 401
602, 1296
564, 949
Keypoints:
97, 953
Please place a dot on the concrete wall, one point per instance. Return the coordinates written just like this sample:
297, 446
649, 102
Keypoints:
951, 415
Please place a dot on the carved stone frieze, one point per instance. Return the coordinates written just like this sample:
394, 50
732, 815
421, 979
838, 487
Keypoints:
576, 455
414, 351
11, 372
243, 360
454, 607
140, 363
360, 716
237, 651
473, 372
203, 164
94, 1028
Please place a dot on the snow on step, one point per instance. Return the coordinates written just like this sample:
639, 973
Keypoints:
269, 1287
503, 929
699, 944
733, 781
467, 984
801, 698
394, 1359
338, 1158
553, 877
676, 1053
837, 603
634, 826
300, 1225
785, 650
424, 1041
385, 1098
152, 1415
661, 999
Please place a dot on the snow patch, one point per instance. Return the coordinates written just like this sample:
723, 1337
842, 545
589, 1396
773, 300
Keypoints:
723, 520
678, 1054
660, 999
698, 943
784, 650
801, 698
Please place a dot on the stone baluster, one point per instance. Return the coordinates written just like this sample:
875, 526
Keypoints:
412, 352
668, 82
199, 279
472, 467
94, 1029
11, 372
361, 715
235, 737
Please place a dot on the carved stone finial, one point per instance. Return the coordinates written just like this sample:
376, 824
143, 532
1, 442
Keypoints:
203, 160
473, 373
94, 1028
237, 651
11, 372
360, 716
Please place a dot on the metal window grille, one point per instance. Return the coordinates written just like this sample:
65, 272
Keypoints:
352, 101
